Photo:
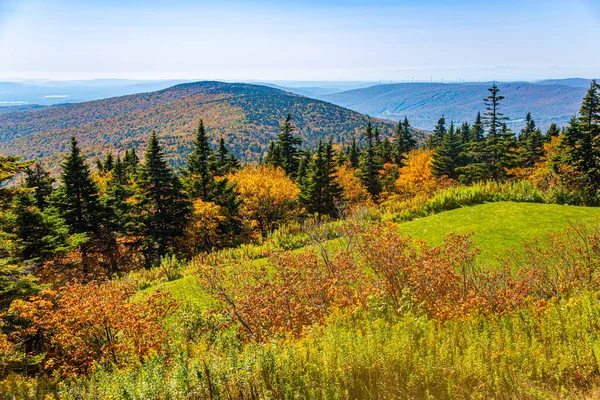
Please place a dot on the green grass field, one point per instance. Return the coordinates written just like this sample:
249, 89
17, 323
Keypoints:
497, 227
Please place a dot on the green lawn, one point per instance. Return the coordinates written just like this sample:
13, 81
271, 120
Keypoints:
495, 226
500, 226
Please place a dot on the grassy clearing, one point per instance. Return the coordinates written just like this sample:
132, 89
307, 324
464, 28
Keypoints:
497, 227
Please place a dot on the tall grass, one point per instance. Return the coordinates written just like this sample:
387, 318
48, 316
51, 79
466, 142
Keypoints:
529, 354
461, 196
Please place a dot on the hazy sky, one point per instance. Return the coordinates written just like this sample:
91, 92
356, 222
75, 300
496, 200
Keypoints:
300, 40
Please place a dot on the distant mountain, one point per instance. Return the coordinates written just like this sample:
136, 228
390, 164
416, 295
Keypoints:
248, 116
45, 92
425, 103
574, 82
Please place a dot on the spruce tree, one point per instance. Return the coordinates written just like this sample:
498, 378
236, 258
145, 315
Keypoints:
321, 191
580, 146
273, 156
41, 182
40, 235
477, 133
438, 134
370, 165
162, 208
224, 162
553, 131
354, 154
130, 161
447, 158
288, 146
108, 163
198, 177
77, 196
115, 200
530, 144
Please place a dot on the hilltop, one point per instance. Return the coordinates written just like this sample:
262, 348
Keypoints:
549, 102
247, 116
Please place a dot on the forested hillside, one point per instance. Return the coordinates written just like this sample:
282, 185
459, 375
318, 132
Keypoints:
247, 116
423, 103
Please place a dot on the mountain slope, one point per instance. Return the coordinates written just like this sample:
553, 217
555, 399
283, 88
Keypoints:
425, 103
247, 116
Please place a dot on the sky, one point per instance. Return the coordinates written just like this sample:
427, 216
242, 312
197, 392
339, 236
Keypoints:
378, 40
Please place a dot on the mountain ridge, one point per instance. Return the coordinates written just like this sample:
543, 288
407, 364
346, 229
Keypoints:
425, 103
247, 116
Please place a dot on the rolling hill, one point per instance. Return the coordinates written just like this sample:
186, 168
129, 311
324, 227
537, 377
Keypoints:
247, 116
423, 103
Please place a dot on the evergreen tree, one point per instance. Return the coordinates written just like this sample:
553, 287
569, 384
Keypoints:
225, 162
477, 133
162, 208
493, 117
386, 151
320, 191
530, 144
404, 142
438, 134
354, 154
288, 146
580, 145
553, 131
274, 155
77, 196
130, 161
465, 133
198, 177
41, 182
40, 235
108, 163
447, 158
370, 165
115, 200
500, 139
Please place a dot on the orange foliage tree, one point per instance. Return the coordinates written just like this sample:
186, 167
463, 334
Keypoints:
415, 177
268, 196
355, 193
80, 326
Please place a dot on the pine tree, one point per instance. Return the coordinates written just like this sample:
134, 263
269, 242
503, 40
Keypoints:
500, 139
40, 235
580, 145
162, 208
553, 131
477, 133
447, 157
274, 155
225, 162
108, 163
201, 181
115, 200
530, 145
77, 196
320, 191
404, 142
131, 161
438, 134
370, 165
41, 182
493, 117
354, 154
386, 151
198, 177
288, 146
